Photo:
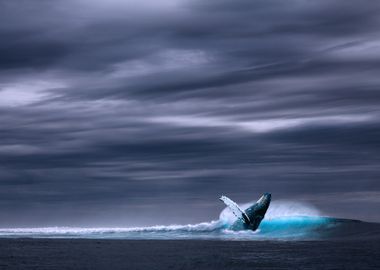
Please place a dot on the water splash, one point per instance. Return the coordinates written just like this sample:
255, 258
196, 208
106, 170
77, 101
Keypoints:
277, 209
284, 220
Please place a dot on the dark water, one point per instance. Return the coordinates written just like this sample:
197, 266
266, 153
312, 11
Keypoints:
188, 254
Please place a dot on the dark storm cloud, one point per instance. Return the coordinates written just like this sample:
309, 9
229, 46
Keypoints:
111, 108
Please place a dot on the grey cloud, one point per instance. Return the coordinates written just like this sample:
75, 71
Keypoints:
105, 109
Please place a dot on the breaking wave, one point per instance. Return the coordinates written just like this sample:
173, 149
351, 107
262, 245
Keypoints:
283, 221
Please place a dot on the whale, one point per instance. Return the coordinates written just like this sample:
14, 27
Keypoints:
250, 218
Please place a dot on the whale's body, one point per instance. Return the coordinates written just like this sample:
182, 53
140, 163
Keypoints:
250, 218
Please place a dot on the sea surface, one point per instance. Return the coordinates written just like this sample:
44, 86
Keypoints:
292, 236
115, 254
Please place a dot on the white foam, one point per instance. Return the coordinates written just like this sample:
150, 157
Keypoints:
204, 227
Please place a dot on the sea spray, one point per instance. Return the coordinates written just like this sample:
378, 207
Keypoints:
284, 220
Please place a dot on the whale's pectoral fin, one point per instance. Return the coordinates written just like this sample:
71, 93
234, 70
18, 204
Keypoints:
236, 210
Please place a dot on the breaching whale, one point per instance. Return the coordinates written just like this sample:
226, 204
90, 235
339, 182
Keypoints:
250, 218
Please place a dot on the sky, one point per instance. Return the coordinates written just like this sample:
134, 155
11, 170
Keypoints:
131, 113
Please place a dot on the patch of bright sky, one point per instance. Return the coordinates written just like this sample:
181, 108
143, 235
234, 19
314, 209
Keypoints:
27, 92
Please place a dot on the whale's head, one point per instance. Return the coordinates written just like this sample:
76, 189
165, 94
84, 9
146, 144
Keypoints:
262, 204
257, 211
